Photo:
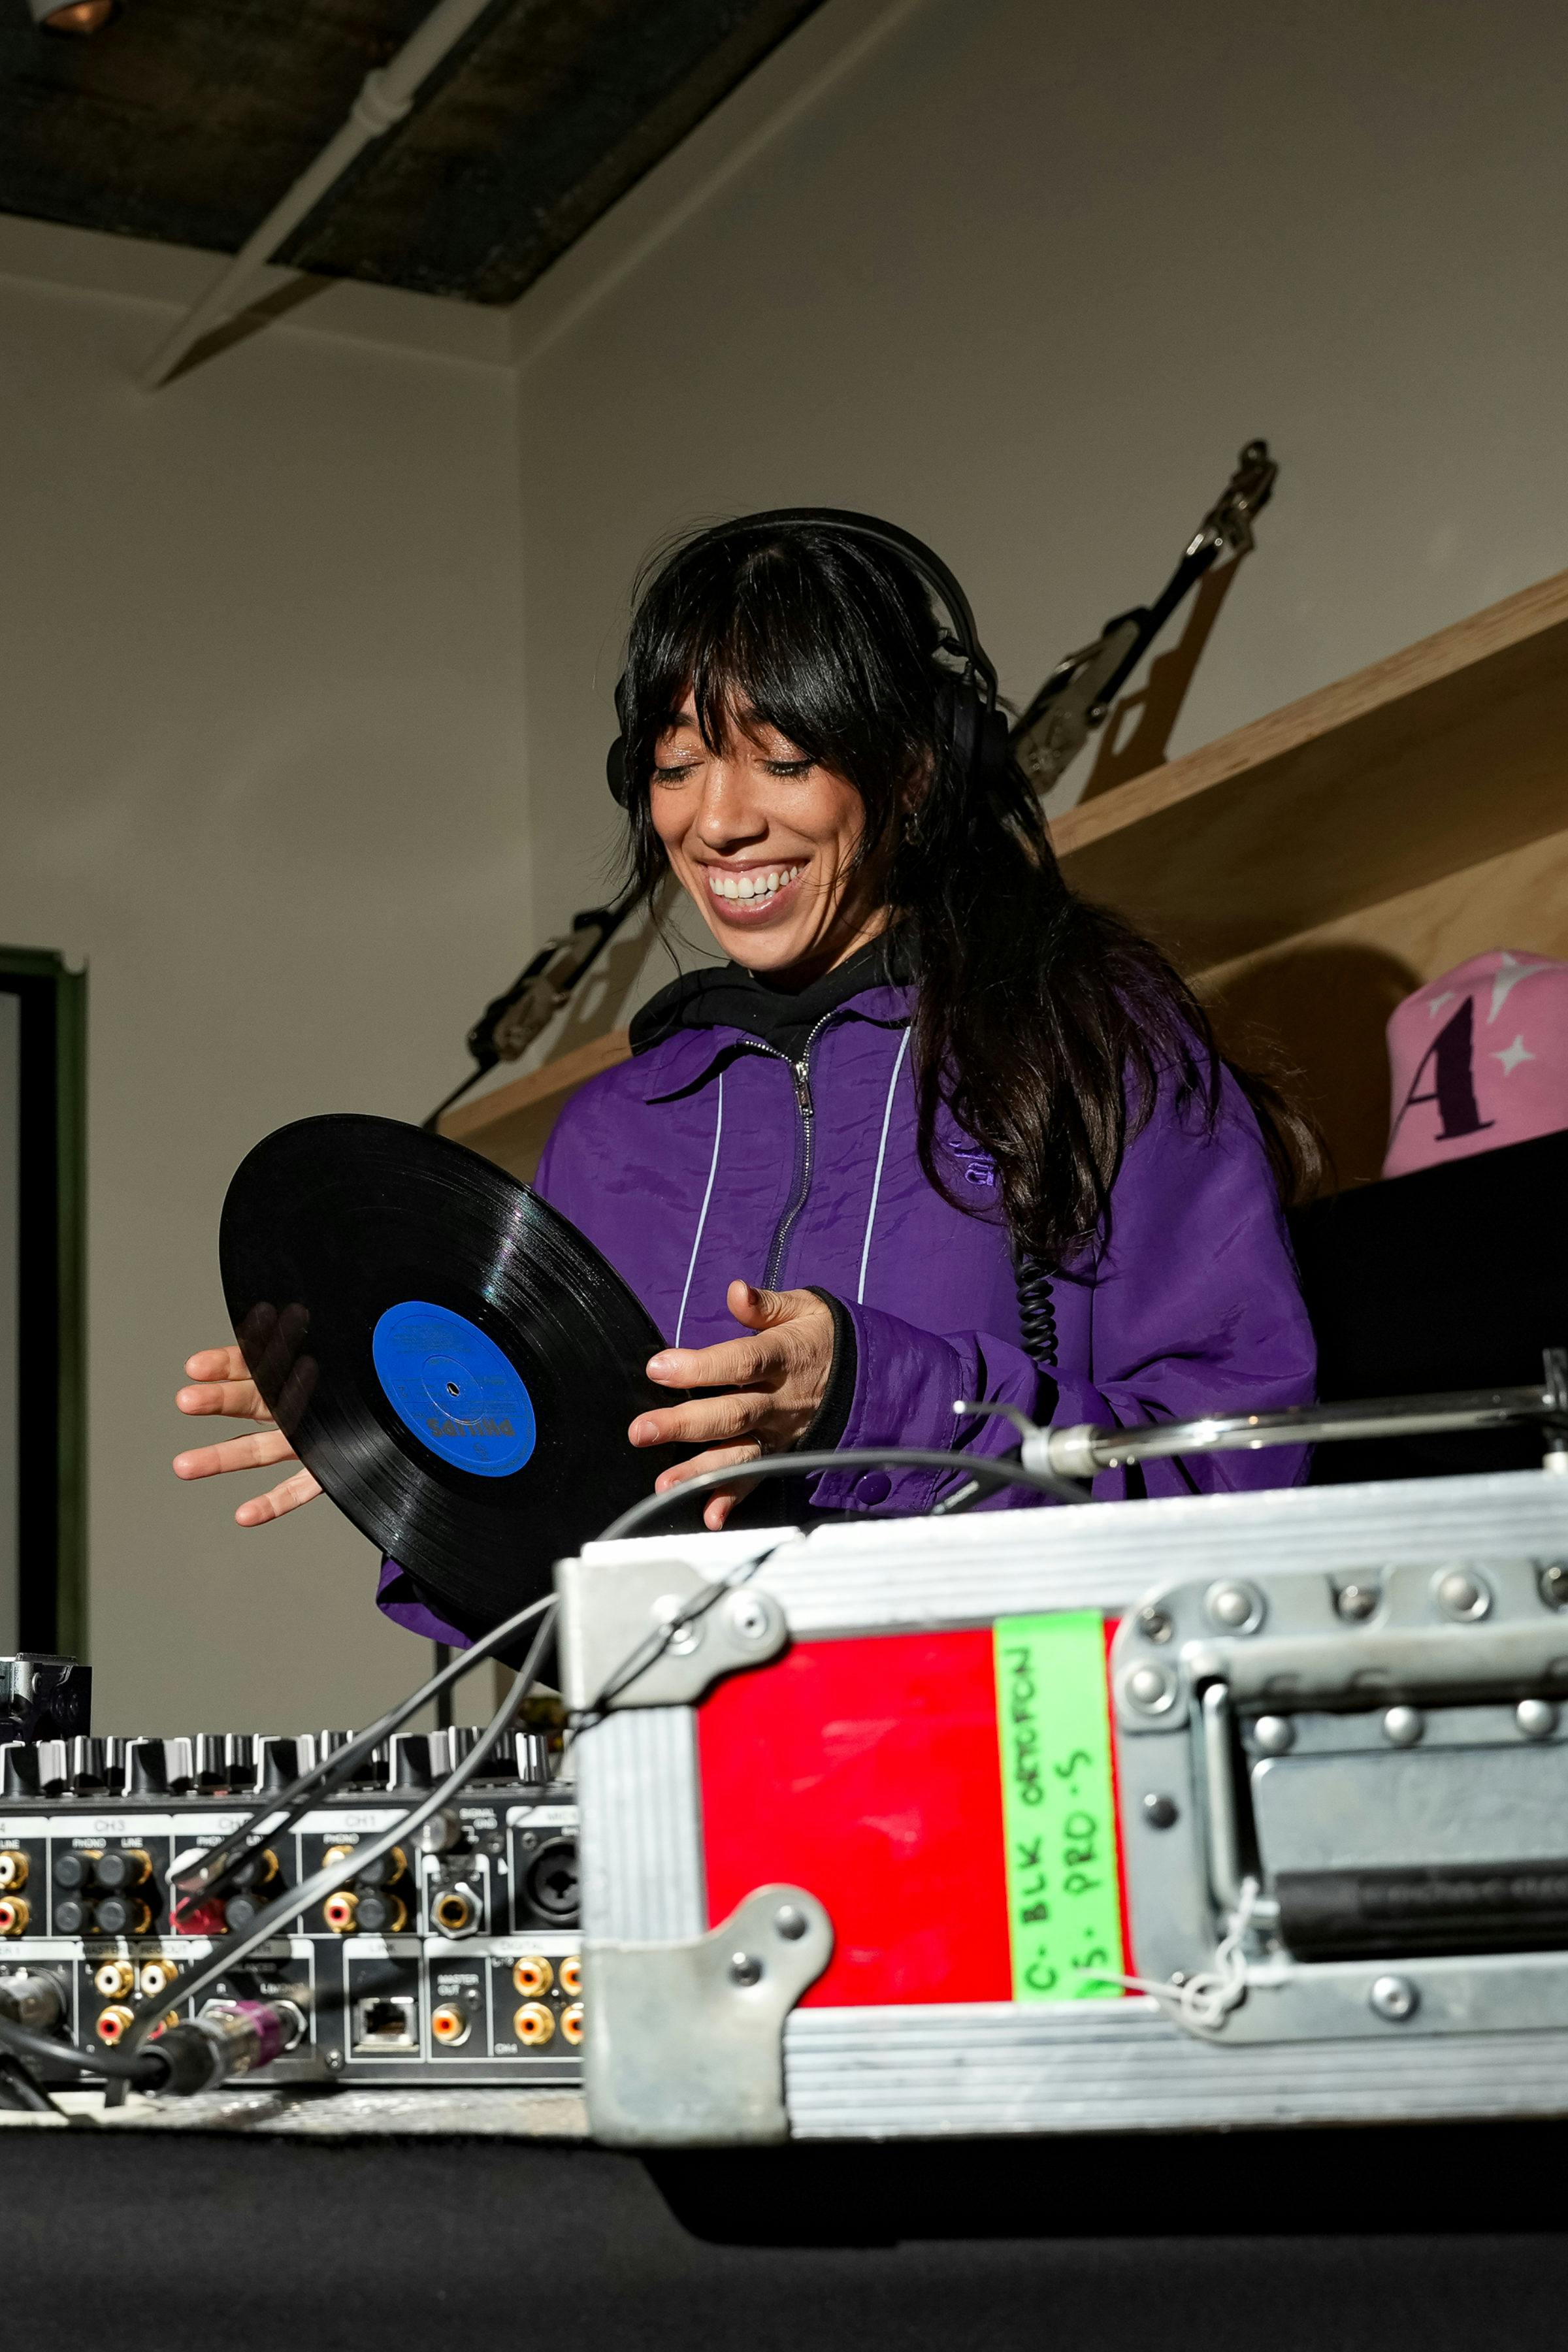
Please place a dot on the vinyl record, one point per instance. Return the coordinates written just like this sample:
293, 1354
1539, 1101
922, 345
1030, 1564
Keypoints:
452, 1360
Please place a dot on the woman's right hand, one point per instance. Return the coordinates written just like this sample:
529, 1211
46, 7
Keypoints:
219, 1382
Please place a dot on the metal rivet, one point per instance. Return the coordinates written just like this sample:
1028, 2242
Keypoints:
1235, 1607
749, 1617
1402, 1725
790, 1922
745, 1968
1555, 1584
685, 1638
1536, 1718
1160, 1812
1148, 1687
1462, 1595
1394, 1998
1154, 1625
1274, 1734
1357, 1603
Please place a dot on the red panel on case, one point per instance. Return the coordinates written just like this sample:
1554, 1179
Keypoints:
867, 1772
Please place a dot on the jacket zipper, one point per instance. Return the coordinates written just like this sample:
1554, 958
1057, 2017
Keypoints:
800, 1071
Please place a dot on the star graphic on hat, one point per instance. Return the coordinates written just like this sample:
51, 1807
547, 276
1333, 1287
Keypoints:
1508, 975
1511, 1055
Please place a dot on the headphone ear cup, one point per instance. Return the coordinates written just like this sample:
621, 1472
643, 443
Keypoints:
977, 733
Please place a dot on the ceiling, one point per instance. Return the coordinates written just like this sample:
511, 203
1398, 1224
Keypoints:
185, 121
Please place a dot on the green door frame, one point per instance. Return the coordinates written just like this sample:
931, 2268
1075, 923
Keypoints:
53, 1597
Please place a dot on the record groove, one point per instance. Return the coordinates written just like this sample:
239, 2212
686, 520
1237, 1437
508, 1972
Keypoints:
453, 1362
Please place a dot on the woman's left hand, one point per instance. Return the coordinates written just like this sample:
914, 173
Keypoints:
776, 1378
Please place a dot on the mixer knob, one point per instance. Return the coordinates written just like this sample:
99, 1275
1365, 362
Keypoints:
145, 1771
411, 1760
212, 1765
94, 1763
449, 1747
19, 1771
53, 1767
180, 1765
283, 1761
371, 1770
240, 1759
532, 1750
330, 1743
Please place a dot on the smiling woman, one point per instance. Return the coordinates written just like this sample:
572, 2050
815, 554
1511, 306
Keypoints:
938, 1130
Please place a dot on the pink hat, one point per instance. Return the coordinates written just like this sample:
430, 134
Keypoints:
1479, 1058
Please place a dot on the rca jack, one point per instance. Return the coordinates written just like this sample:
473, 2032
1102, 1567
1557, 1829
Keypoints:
454, 1913
153, 1976
532, 1976
534, 2025
340, 1912
115, 1978
113, 2025
450, 2024
571, 2024
13, 1870
14, 1913
572, 1977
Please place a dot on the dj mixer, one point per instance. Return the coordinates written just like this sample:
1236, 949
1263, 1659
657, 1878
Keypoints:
453, 1960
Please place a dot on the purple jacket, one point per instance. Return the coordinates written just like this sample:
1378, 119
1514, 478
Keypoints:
712, 1155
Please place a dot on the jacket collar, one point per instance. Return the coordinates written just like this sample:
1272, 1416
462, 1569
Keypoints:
705, 1019
728, 997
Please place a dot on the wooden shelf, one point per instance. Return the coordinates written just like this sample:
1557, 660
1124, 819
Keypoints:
509, 1124
1312, 867
1447, 754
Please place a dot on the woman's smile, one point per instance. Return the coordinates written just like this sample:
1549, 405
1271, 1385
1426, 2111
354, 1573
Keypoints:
749, 894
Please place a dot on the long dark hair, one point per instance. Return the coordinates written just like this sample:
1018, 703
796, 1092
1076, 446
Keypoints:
1042, 1022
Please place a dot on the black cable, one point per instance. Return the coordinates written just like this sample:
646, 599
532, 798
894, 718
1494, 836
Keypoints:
230, 1949
18, 2090
869, 1457
145, 2066
277, 1817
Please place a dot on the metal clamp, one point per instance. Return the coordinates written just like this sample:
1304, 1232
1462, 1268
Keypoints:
616, 1647
686, 2044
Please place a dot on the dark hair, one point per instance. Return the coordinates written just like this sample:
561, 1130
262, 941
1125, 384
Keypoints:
1042, 1022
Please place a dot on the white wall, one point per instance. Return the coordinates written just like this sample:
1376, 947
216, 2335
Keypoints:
1024, 276
260, 680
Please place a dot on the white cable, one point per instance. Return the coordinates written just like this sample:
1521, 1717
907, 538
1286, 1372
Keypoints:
1204, 2002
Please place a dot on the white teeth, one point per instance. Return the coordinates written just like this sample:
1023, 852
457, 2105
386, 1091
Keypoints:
753, 886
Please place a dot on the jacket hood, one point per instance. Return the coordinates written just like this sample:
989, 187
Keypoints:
728, 997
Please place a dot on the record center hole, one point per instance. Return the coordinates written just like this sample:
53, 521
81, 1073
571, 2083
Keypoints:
453, 1390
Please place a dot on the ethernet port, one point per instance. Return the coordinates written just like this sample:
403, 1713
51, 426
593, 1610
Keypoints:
388, 2021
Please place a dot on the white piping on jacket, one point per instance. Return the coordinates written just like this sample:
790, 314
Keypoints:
703, 1216
877, 1179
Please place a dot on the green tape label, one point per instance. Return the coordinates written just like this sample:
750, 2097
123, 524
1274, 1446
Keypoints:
1058, 1812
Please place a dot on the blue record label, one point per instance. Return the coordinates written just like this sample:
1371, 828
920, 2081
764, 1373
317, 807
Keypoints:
454, 1388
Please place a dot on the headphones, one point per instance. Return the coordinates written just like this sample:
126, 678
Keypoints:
977, 730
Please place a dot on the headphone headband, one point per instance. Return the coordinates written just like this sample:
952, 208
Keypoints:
979, 729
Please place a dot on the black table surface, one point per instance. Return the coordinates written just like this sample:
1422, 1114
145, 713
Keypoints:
1401, 2240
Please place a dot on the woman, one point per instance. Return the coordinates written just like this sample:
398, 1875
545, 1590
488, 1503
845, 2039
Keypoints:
938, 1128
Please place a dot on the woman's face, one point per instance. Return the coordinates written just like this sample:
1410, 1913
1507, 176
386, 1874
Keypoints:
763, 839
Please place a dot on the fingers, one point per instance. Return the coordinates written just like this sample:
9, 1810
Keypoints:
279, 1501
216, 1364
733, 1363
704, 1418
759, 1309
238, 1399
723, 1501
256, 1452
